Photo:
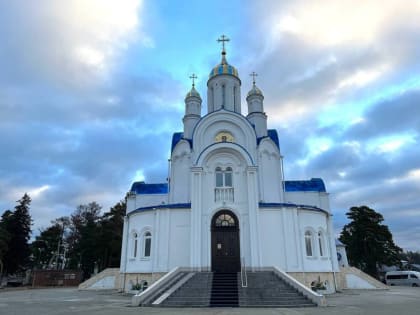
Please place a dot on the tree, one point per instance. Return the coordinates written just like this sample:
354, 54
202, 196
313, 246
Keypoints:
49, 246
4, 237
110, 236
82, 238
369, 242
18, 226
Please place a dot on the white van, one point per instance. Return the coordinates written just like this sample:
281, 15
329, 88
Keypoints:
406, 277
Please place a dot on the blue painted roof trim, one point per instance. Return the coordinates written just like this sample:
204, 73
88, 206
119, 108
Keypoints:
314, 184
176, 137
141, 188
290, 205
272, 134
166, 206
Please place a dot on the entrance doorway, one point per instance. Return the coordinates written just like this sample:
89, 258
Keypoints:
225, 252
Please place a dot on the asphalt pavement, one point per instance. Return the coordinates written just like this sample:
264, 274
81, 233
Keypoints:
66, 301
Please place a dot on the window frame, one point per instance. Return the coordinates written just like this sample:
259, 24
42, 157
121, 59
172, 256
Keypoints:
309, 243
222, 175
134, 240
147, 237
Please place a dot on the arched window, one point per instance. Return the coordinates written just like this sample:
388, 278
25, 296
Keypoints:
224, 220
147, 244
224, 177
135, 244
308, 243
321, 244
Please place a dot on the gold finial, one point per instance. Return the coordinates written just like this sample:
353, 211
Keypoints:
193, 77
253, 75
223, 39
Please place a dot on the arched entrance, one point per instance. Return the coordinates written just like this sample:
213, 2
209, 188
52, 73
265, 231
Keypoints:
225, 252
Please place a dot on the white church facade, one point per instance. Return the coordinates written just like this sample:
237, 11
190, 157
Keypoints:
226, 203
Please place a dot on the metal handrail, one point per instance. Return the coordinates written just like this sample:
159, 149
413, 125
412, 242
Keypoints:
244, 277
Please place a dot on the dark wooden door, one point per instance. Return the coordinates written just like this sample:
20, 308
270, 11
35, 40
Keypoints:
225, 243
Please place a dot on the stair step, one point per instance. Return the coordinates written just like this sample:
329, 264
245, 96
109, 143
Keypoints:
265, 289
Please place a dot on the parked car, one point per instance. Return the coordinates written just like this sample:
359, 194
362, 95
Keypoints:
406, 277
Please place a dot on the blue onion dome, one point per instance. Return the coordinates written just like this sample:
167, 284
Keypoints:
193, 93
255, 91
223, 68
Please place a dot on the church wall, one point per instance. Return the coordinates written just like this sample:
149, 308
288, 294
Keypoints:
241, 130
179, 238
139, 223
180, 174
315, 222
269, 172
149, 200
273, 242
309, 198
170, 229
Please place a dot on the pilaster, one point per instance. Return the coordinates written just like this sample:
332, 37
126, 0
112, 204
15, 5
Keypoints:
196, 226
253, 216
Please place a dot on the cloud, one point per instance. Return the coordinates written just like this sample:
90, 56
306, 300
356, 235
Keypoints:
71, 43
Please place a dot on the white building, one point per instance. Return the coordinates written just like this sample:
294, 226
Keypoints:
227, 201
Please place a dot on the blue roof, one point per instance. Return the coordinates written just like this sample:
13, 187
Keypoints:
176, 137
282, 204
272, 134
164, 206
142, 188
314, 184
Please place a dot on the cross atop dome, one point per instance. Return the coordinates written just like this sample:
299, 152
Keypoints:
253, 75
193, 77
223, 39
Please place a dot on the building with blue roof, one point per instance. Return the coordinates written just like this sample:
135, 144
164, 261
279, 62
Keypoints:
226, 199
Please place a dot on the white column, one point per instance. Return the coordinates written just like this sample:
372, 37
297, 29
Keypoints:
123, 263
252, 179
196, 204
155, 242
331, 243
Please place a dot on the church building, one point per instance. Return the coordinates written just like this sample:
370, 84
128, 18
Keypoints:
226, 203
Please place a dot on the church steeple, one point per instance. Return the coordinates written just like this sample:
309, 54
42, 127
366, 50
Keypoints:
256, 114
192, 109
224, 85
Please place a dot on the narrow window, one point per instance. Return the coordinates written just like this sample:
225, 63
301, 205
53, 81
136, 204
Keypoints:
147, 244
228, 177
321, 244
308, 243
234, 98
135, 245
219, 177
223, 95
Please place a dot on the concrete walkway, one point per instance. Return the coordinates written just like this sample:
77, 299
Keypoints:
64, 301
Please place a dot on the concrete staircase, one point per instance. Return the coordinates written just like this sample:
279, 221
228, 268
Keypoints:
266, 289
207, 289
224, 291
196, 292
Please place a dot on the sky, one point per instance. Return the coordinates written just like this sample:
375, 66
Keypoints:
92, 90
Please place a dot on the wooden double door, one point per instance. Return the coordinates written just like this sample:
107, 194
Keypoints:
225, 247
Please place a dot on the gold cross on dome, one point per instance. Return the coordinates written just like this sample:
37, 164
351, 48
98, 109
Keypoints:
193, 77
223, 39
253, 75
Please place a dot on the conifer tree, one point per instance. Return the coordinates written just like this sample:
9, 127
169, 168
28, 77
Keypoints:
369, 242
18, 227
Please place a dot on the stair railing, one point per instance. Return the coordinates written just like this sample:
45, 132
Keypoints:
244, 278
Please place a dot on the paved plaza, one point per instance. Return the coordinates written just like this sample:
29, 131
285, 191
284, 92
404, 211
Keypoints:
63, 301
